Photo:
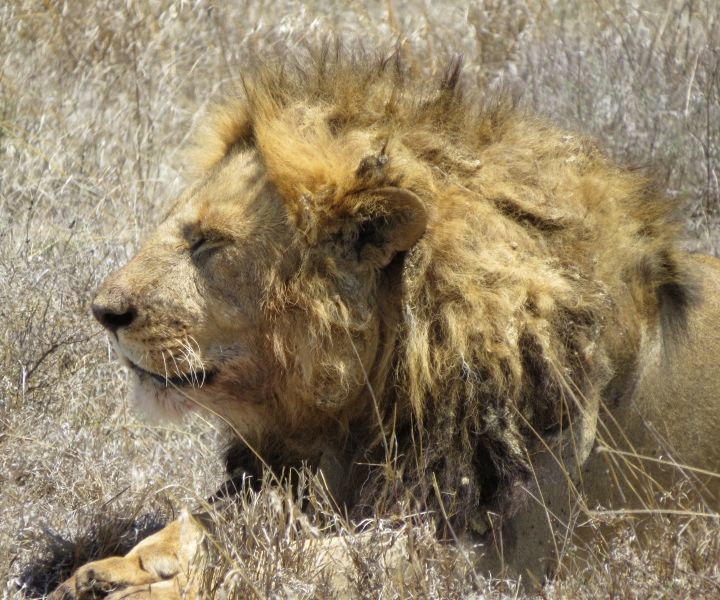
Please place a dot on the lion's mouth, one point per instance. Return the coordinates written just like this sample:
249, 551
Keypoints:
185, 380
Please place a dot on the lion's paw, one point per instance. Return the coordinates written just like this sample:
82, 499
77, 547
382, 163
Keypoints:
103, 577
171, 589
157, 567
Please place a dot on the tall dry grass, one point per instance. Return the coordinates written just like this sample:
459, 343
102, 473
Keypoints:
97, 101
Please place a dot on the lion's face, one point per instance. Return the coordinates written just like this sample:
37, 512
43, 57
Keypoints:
185, 314
233, 306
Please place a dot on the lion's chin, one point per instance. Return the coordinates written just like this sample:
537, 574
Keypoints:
160, 398
159, 404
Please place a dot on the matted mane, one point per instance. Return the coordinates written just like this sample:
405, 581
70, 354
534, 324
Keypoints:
542, 264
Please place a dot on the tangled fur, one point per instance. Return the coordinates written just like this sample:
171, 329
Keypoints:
409, 286
542, 263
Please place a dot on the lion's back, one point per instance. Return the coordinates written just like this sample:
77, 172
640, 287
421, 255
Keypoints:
667, 421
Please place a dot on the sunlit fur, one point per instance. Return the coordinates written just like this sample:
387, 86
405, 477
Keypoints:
522, 301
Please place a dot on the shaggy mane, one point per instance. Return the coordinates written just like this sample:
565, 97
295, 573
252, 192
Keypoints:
543, 264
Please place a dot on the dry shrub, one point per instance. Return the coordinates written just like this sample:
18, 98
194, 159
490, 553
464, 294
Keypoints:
97, 101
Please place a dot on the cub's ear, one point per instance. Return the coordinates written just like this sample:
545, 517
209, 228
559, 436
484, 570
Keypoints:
396, 220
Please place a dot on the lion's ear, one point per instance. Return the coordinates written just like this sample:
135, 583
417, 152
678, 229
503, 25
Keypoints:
397, 220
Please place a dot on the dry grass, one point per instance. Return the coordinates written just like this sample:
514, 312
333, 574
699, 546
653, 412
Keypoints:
97, 100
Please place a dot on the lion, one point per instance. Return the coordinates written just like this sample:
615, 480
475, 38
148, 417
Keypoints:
371, 268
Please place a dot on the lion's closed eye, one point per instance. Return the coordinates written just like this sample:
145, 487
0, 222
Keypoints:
200, 245
196, 243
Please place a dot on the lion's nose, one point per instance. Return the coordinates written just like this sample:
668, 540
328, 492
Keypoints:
112, 314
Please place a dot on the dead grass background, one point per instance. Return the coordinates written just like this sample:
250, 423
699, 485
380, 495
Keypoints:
97, 99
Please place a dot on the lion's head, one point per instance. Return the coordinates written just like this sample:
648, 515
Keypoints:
369, 267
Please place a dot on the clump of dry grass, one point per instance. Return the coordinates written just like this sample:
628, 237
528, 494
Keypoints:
265, 545
97, 101
673, 552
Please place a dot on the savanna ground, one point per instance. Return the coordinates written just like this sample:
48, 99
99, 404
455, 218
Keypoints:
97, 99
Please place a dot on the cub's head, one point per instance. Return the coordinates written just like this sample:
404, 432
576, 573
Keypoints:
270, 311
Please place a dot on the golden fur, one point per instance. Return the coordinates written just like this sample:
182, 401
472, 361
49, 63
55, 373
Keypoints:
540, 264
372, 269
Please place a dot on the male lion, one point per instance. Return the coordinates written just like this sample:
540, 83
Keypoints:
373, 267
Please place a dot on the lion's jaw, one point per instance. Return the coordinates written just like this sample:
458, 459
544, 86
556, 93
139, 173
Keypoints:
185, 313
